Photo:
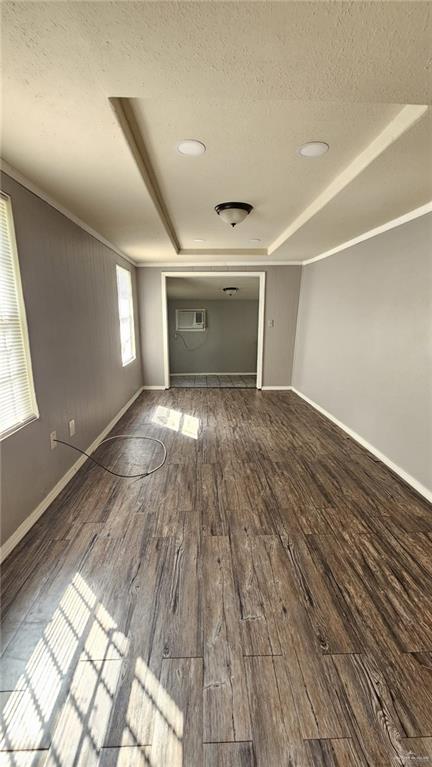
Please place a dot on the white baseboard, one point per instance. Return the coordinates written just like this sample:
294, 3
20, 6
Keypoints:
28, 523
189, 375
421, 489
276, 388
153, 388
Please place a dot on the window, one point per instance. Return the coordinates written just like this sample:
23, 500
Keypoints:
126, 315
17, 396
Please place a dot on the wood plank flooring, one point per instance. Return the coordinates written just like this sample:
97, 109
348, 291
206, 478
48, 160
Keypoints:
265, 600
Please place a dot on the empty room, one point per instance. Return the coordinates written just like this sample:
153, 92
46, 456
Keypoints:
212, 330
216, 383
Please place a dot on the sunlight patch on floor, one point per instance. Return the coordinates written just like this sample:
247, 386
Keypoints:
64, 698
177, 421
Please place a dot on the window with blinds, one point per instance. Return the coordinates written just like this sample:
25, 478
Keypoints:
17, 396
126, 315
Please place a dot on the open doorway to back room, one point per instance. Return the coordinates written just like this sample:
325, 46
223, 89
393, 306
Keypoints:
213, 329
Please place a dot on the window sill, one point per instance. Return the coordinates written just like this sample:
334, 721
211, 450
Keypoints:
129, 362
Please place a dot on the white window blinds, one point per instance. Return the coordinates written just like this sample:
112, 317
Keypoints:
126, 315
17, 396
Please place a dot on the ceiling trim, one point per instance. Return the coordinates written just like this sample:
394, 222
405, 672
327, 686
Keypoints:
395, 222
224, 251
31, 187
211, 264
208, 273
123, 111
404, 120
423, 210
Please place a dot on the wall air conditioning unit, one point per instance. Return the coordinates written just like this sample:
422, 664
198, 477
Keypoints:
190, 319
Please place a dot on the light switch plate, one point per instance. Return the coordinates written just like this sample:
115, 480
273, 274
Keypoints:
72, 427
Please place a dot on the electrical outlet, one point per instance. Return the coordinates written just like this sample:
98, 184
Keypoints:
53, 437
72, 427
270, 323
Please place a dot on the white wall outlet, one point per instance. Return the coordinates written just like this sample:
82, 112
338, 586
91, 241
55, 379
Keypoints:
72, 427
270, 323
53, 437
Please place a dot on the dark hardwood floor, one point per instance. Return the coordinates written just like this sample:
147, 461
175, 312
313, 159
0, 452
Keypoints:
264, 599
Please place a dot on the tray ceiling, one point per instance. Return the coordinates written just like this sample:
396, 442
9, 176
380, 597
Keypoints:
96, 97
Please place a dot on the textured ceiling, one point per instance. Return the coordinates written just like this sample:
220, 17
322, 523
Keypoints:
253, 80
211, 288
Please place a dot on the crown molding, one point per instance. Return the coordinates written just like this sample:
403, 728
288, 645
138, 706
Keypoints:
31, 187
211, 264
223, 252
395, 222
423, 210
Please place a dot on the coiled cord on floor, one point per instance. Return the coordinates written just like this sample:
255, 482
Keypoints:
121, 436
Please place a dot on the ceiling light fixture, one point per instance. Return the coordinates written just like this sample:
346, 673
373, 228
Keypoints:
313, 149
255, 239
233, 213
198, 239
230, 291
191, 147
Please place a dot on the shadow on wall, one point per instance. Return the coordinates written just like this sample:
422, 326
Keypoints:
227, 345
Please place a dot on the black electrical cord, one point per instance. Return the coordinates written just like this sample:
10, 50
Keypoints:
190, 348
121, 436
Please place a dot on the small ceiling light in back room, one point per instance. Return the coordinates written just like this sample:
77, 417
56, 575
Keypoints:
230, 291
313, 149
233, 213
191, 147
198, 239
255, 239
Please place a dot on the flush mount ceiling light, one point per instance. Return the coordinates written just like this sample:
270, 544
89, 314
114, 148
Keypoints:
198, 239
230, 291
255, 239
233, 213
313, 149
191, 147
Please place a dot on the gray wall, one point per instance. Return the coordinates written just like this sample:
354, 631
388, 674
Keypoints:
282, 292
69, 286
228, 345
364, 342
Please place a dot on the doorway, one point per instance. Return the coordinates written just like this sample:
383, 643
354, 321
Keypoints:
213, 327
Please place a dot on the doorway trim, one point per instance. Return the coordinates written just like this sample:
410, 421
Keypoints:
261, 307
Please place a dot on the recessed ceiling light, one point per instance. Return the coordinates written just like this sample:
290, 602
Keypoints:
191, 147
198, 239
255, 239
313, 149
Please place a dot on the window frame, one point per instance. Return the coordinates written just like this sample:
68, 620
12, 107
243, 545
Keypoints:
22, 314
119, 270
